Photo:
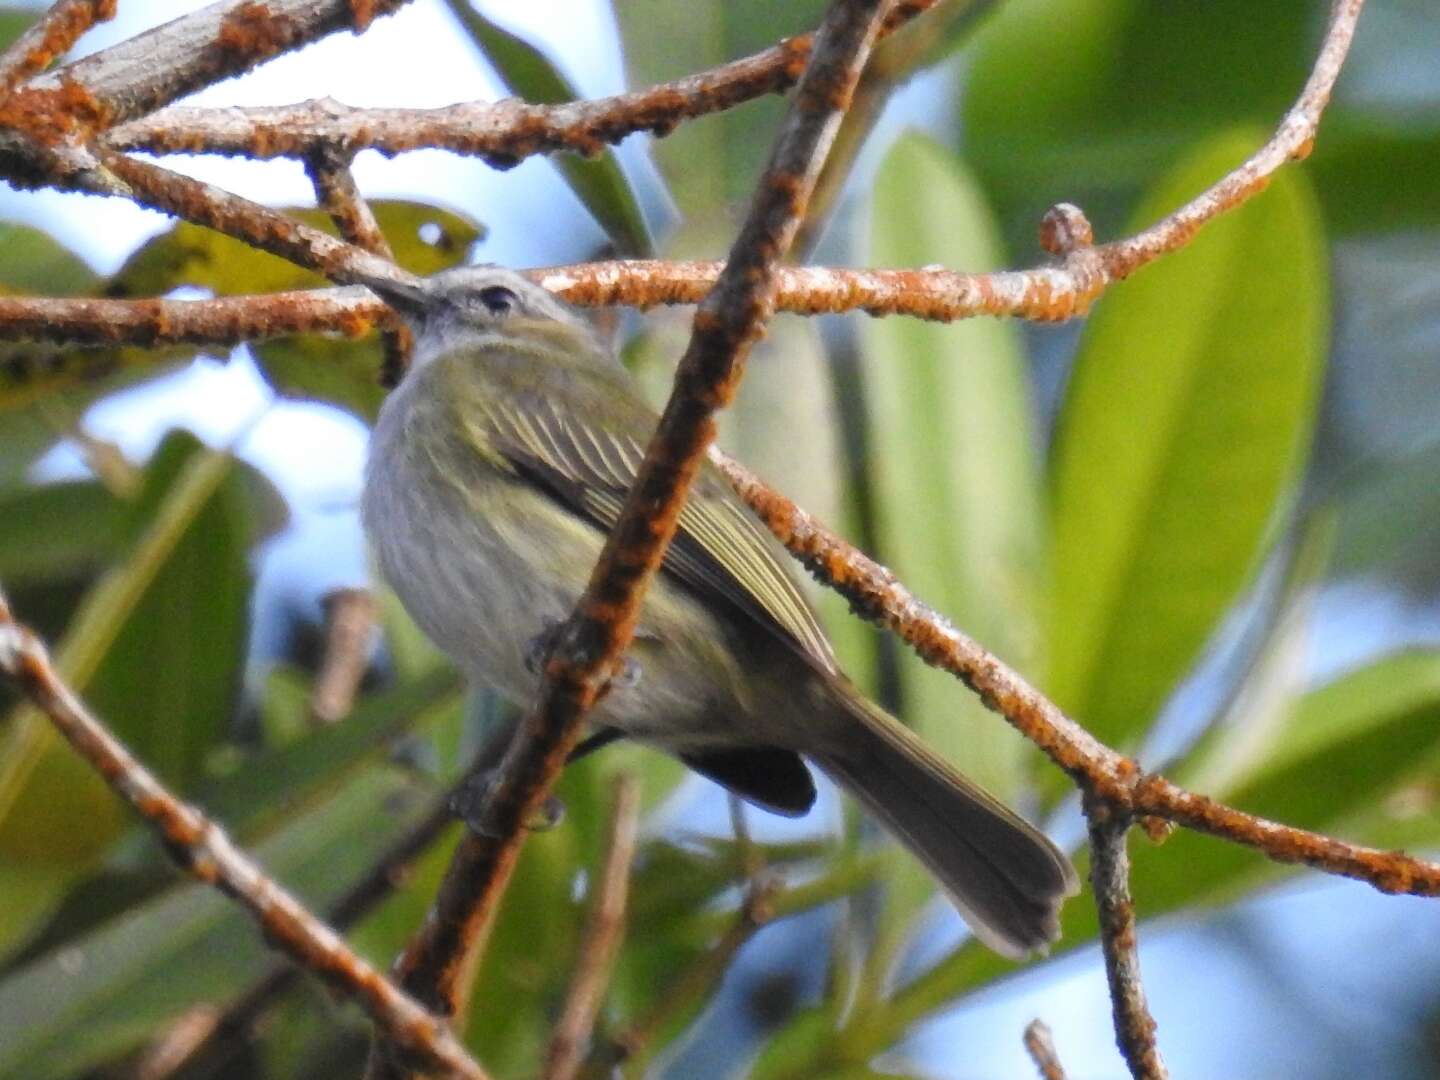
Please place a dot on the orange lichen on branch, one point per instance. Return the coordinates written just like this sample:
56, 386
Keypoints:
1389, 871
58, 29
503, 133
362, 14
53, 116
251, 32
1044, 294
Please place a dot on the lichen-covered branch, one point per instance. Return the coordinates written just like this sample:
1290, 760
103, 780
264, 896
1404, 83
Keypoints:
1110, 878
51, 37
502, 132
203, 850
149, 70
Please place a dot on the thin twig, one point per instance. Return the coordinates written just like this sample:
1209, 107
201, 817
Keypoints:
1110, 878
336, 191
1040, 1044
58, 29
594, 641
502, 132
203, 849
600, 943
349, 631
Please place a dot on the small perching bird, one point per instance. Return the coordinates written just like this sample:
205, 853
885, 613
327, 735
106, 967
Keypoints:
496, 470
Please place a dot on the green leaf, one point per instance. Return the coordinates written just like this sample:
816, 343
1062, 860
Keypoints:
145, 967
14, 23
1365, 176
1106, 106
1350, 736
156, 648
58, 532
1390, 519
953, 472
598, 182
1095, 113
1259, 704
277, 783
1184, 432
35, 263
193, 616
342, 373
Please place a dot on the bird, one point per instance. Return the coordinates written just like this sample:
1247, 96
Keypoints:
497, 468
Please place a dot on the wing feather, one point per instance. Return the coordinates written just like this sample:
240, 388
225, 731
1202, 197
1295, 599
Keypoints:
719, 550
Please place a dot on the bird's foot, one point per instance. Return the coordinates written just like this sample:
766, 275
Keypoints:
538, 651
472, 798
628, 675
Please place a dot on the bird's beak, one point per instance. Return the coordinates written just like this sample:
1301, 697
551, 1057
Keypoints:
408, 297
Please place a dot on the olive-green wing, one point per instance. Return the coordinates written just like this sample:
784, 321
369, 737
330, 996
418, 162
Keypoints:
719, 549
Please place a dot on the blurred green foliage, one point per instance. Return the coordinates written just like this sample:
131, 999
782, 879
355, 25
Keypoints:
1103, 563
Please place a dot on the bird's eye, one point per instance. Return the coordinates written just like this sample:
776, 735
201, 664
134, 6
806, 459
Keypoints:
499, 300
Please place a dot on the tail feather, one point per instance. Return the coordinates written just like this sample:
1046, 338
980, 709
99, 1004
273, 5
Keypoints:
1003, 875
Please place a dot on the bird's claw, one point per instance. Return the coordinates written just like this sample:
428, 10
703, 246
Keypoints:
470, 800
538, 651
627, 676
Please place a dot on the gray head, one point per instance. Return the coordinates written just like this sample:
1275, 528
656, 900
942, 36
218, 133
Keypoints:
483, 306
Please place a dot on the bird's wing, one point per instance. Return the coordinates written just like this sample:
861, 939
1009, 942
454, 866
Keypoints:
718, 551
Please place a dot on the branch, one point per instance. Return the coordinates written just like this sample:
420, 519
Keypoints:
223, 321
594, 641
600, 945
58, 29
349, 627
1110, 877
145, 72
201, 847
1040, 1044
337, 192
503, 133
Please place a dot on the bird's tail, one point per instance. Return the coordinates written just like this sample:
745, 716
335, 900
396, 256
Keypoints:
1004, 876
